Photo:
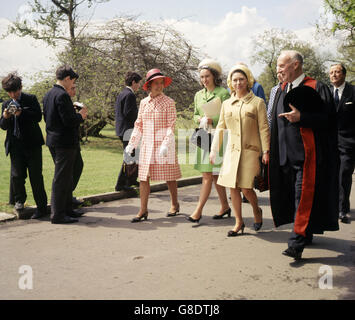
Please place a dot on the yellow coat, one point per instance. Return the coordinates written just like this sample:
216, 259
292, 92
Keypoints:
248, 136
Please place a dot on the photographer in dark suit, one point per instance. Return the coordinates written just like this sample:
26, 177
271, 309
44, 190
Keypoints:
126, 112
344, 97
20, 117
62, 126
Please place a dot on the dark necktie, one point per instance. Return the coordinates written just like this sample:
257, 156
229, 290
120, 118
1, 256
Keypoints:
17, 133
281, 124
336, 97
289, 87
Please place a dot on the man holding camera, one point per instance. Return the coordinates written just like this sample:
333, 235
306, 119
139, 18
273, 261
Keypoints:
62, 127
79, 163
20, 117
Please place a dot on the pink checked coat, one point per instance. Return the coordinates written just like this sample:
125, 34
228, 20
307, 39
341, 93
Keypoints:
155, 126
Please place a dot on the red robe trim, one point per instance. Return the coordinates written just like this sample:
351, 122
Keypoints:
309, 175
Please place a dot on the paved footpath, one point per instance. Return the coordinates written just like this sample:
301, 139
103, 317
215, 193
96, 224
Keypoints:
105, 256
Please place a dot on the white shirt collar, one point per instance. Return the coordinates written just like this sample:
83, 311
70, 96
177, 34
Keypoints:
297, 82
340, 90
130, 88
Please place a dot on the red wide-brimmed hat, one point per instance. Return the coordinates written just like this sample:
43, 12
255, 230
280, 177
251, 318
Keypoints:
156, 74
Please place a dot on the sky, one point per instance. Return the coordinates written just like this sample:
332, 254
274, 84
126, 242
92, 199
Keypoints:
224, 30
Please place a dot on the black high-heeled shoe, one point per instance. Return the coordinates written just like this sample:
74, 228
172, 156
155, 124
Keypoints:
220, 216
173, 214
193, 220
139, 218
258, 225
233, 233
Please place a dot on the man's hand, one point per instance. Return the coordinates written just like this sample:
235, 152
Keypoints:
292, 116
17, 113
84, 112
6, 114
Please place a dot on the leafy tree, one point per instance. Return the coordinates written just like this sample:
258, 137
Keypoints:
107, 53
48, 18
344, 14
268, 46
40, 88
126, 44
103, 55
3, 95
338, 21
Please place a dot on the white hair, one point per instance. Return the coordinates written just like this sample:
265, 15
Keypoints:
294, 55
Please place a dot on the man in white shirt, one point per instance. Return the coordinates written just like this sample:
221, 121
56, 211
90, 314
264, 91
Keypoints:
344, 97
303, 156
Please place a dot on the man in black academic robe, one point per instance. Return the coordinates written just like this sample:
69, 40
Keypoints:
304, 164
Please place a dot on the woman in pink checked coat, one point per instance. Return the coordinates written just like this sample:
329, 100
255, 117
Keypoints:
155, 126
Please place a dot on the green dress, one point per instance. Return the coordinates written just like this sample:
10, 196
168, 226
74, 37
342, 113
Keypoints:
202, 162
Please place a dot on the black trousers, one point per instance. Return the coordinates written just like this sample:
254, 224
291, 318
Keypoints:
11, 191
62, 185
123, 180
23, 160
78, 168
297, 241
347, 164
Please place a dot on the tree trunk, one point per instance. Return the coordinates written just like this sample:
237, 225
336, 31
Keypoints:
94, 129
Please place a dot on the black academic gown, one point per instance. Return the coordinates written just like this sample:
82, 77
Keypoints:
318, 208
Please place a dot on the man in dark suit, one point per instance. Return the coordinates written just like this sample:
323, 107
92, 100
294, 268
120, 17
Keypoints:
303, 156
20, 117
126, 112
62, 126
344, 97
78, 163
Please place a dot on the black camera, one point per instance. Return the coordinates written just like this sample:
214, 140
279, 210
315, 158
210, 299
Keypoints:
13, 107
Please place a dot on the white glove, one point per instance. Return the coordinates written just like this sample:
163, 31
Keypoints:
129, 149
163, 152
204, 122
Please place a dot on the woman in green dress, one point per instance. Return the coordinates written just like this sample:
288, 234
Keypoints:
210, 78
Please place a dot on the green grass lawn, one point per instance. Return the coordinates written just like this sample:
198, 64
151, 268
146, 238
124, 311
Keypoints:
102, 162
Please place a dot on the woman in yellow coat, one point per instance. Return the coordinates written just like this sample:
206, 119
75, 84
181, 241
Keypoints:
244, 116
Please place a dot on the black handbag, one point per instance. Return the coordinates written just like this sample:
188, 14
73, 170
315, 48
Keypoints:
202, 138
261, 181
130, 170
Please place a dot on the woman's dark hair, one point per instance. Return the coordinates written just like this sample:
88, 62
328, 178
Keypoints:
239, 71
65, 71
12, 82
216, 77
243, 73
132, 76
